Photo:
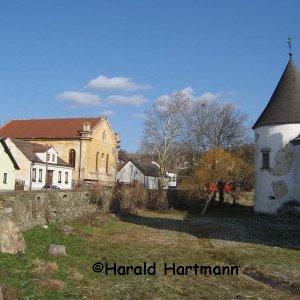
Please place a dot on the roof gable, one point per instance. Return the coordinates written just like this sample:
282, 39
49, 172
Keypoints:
284, 105
104, 126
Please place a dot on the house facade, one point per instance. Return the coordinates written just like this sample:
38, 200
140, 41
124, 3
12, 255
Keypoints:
89, 145
277, 147
39, 165
147, 174
8, 168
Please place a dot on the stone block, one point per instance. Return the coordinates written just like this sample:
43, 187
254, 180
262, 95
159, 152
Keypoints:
57, 250
11, 239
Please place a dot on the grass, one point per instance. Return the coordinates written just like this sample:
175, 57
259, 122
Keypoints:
266, 249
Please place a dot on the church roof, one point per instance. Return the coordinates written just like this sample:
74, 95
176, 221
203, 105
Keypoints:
284, 105
46, 128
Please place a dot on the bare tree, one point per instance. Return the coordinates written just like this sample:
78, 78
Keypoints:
163, 129
213, 125
229, 128
123, 155
199, 122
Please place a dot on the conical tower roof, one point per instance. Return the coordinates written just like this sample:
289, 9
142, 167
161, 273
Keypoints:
284, 105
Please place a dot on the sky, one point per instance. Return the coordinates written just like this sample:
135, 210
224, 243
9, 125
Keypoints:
66, 58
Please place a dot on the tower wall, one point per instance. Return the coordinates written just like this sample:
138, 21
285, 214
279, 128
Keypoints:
279, 183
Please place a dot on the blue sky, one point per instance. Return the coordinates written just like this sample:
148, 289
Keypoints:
66, 58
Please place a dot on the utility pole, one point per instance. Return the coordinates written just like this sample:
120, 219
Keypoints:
46, 177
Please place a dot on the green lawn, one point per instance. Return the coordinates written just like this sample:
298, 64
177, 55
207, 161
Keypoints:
266, 250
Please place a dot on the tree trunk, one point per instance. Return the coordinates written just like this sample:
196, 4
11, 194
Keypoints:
211, 197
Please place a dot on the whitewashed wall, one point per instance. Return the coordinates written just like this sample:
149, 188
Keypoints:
280, 180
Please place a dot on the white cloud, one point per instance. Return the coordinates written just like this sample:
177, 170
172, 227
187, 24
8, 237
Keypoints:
79, 98
188, 91
134, 100
139, 115
116, 83
108, 113
210, 97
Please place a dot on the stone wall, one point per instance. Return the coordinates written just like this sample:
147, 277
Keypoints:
20, 211
28, 209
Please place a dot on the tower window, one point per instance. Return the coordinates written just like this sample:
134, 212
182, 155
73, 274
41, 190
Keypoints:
266, 159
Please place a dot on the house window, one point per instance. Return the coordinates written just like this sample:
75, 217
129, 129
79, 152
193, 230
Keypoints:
59, 176
97, 160
53, 157
72, 157
34, 174
266, 159
48, 157
107, 161
66, 177
5, 178
40, 175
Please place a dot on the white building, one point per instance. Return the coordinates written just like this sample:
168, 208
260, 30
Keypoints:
8, 168
171, 179
147, 174
277, 147
35, 162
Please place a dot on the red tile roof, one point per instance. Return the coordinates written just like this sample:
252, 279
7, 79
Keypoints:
46, 128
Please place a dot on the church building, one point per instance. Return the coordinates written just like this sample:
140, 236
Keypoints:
89, 145
277, 147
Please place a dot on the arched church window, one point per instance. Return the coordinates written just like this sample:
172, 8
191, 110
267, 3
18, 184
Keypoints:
72, 157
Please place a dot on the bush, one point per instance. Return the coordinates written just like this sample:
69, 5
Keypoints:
128, 200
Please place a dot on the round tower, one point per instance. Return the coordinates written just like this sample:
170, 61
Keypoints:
277, 146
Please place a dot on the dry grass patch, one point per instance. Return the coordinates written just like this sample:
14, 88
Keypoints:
77, 276
51, 284
43, 267
95, 219
8, 293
